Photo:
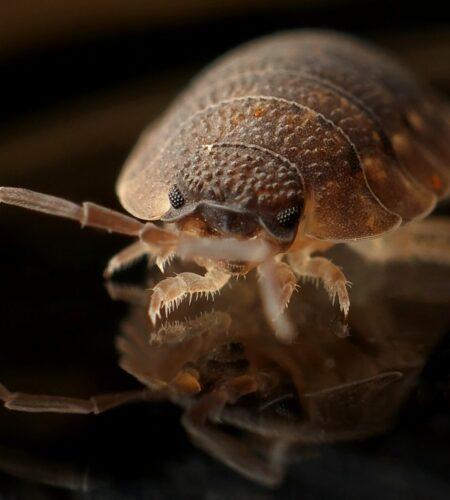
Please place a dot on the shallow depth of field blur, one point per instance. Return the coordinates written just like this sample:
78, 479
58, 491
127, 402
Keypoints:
79, 80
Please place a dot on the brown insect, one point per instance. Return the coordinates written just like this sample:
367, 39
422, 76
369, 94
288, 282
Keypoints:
284, 147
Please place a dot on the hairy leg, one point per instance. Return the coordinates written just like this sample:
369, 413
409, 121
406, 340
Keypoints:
322, 269
126, 257
169, 292
287, 283
163, 244
277, 283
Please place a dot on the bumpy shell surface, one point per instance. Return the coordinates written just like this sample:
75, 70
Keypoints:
322, 112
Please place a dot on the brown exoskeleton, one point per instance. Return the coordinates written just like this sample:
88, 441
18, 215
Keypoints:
283, 148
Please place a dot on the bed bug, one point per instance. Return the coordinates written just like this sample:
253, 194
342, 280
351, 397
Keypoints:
281, 149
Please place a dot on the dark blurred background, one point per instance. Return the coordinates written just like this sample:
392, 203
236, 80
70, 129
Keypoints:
79, 81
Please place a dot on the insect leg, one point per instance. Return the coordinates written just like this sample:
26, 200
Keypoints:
277, 283
126, 257
130, 294
169, 292
38, 403
53, 473
285, 276
210, 405
322, 269
427, 240
155, 242
264, 465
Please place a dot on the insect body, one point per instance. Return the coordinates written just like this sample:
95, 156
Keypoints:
284, 147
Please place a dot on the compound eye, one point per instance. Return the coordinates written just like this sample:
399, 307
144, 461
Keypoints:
288, 217
175, 197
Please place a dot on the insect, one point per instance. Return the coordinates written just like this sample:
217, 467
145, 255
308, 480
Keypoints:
281, 149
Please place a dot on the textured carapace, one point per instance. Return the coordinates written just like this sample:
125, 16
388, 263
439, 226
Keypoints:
304, 126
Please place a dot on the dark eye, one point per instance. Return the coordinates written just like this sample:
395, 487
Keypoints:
175, 197
288, 217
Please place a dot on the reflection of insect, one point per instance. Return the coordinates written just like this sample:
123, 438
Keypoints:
293, 142
254, 402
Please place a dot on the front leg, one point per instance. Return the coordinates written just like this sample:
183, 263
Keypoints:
285, 281
320, 268
156, 254
277, 283
169, 292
